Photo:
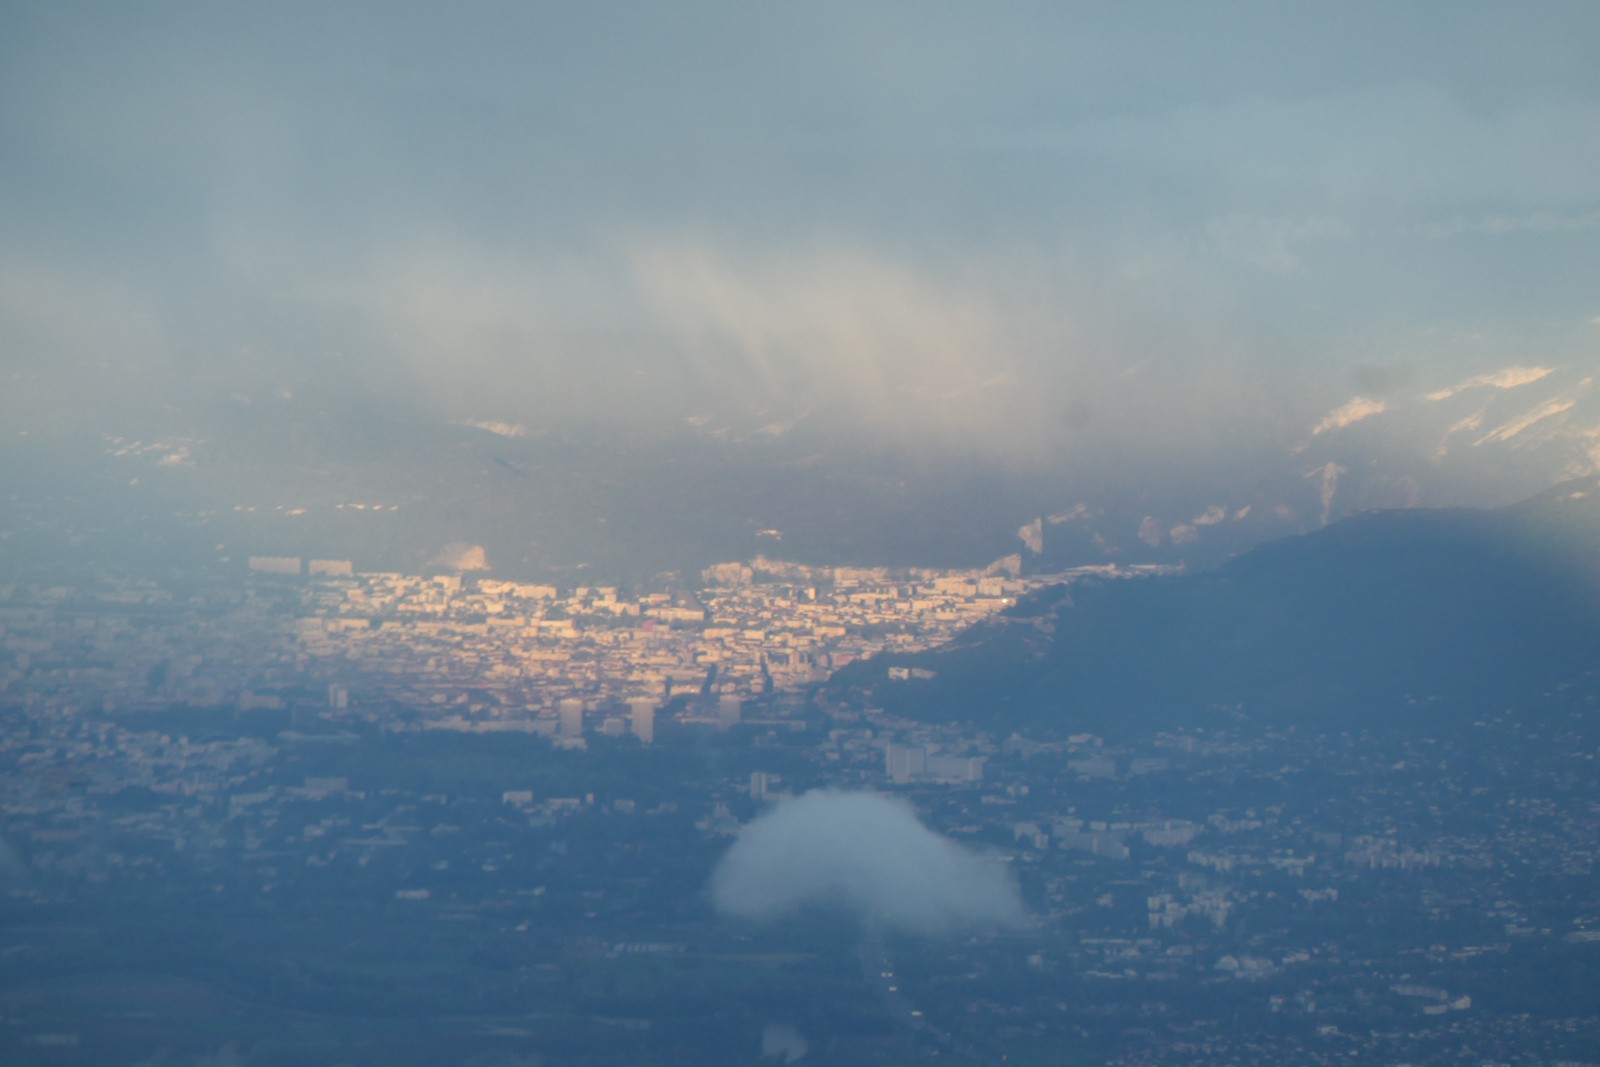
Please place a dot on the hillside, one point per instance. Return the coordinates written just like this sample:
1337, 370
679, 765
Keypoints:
1420, 614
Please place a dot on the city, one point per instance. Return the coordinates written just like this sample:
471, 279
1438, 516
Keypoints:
483, 654
715, 534
258, 752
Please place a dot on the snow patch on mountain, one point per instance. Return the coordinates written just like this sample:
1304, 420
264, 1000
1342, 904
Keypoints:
1528, 419
1507, 378
1349, 413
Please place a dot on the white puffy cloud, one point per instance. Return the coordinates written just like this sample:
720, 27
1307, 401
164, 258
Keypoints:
865, 852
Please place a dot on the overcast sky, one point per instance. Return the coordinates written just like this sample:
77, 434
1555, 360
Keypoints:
996, 228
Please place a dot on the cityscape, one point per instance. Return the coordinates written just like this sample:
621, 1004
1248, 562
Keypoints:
482, 654
732, 535
269, 747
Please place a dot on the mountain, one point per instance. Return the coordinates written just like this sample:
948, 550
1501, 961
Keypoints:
208, 477
1417, 614
390, 490
1479, 441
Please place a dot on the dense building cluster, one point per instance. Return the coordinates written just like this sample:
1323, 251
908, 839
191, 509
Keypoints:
477, 654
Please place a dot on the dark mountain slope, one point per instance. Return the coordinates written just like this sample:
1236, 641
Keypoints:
1401, 613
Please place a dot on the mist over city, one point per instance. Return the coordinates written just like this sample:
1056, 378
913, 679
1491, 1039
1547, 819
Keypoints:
845, 534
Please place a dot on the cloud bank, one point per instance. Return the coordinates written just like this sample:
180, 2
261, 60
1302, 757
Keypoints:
869, 854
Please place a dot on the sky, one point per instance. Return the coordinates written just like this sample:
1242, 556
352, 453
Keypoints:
1034, 233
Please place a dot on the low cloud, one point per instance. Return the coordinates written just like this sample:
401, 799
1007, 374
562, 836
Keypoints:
867, 853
